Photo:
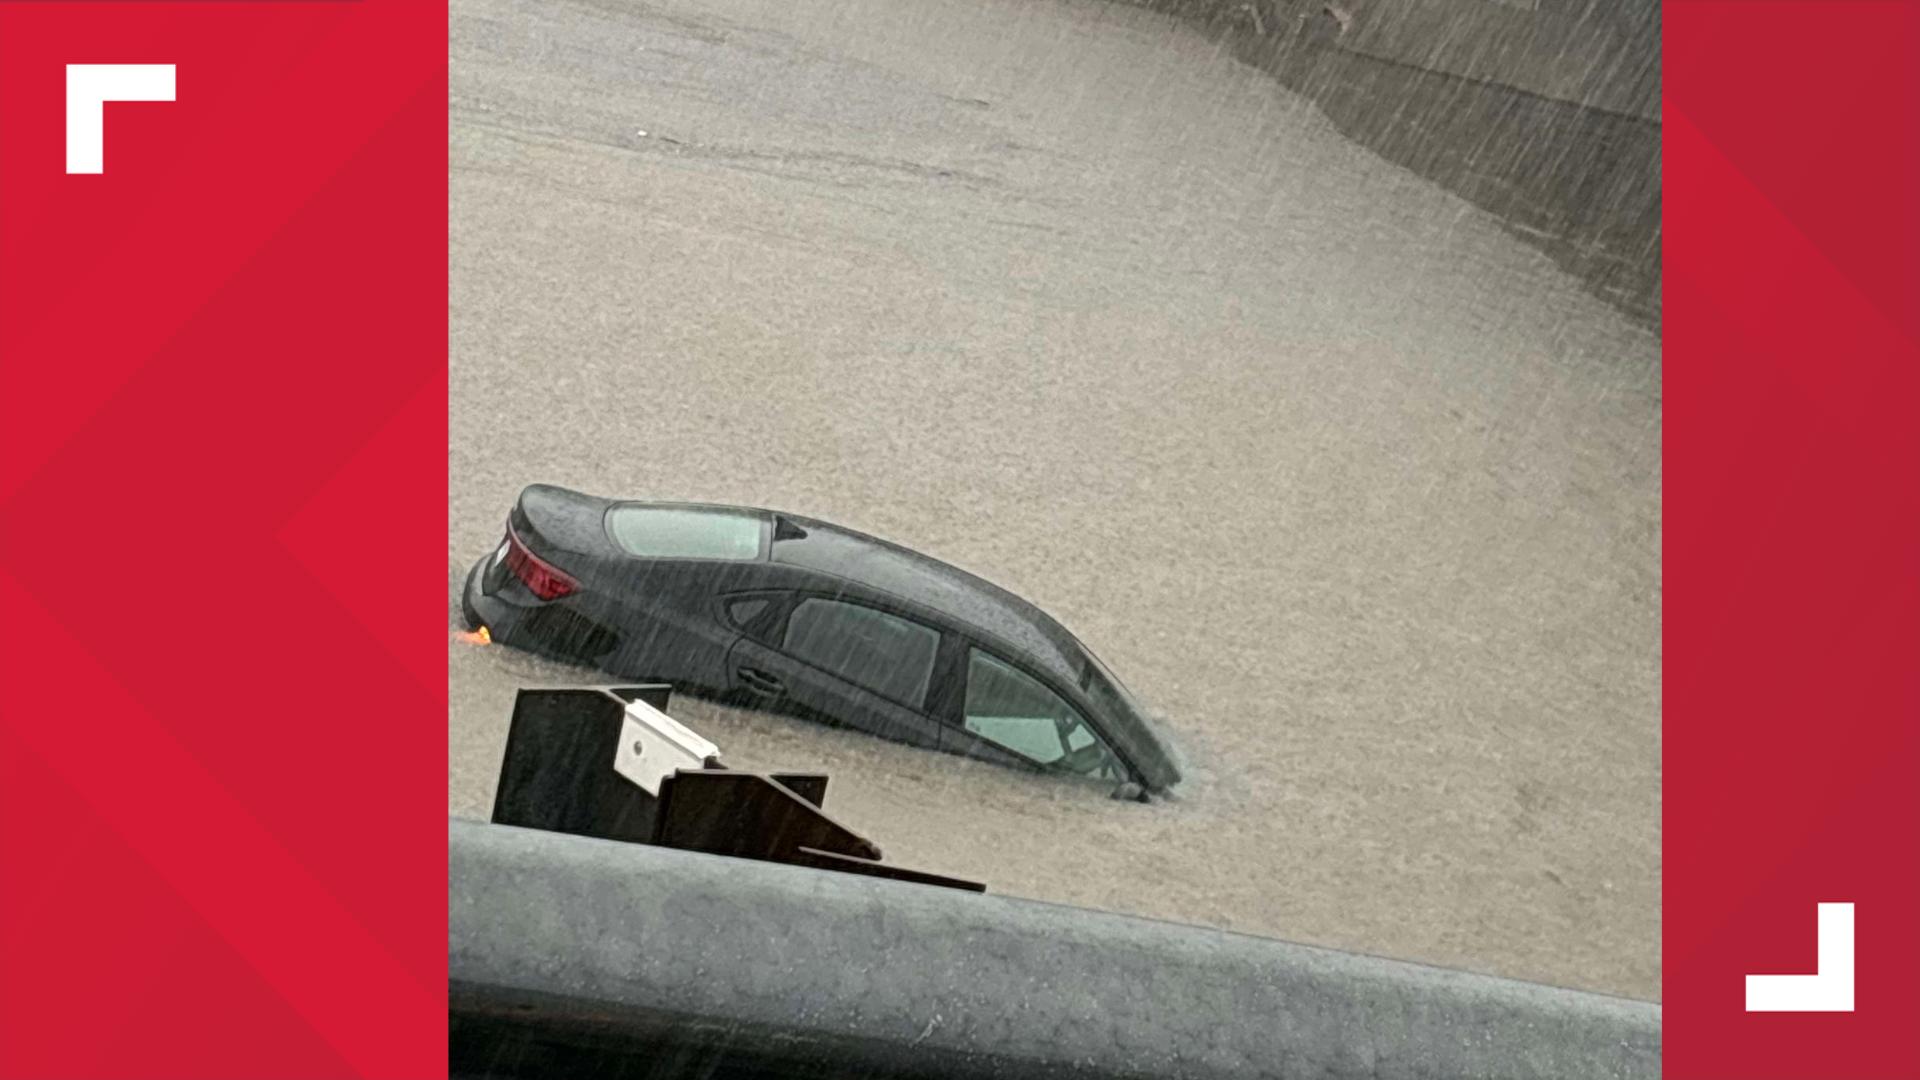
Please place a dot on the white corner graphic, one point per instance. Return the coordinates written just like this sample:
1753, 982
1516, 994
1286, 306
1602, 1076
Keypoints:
1829, 988
89, 88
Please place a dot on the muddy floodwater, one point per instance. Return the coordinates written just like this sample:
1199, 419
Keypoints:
1343, 477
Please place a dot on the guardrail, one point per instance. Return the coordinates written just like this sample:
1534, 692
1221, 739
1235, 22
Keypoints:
577, 956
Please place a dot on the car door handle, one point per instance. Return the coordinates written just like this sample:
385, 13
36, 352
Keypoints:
760, 682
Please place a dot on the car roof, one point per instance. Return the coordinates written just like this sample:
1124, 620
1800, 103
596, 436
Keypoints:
939, 587
868, 564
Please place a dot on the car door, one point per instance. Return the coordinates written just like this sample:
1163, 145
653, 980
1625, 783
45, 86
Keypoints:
1006, 709
844, 662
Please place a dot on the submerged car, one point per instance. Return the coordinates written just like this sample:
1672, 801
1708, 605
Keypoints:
795, 615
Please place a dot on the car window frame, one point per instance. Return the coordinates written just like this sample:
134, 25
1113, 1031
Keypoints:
777, 641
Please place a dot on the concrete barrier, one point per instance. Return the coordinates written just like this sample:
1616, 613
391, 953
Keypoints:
577, 956
1546, 115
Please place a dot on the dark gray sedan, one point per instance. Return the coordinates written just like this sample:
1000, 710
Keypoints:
799, 616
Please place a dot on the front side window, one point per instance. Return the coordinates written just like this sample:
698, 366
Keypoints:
884, 653
1012, 709
679, 532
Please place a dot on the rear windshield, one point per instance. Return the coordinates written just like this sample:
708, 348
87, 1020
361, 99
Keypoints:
682, 532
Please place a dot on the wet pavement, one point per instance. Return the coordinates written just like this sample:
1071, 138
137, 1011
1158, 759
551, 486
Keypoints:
1358, 488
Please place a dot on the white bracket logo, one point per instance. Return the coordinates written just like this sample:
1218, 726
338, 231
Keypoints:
89, 88
1829, 988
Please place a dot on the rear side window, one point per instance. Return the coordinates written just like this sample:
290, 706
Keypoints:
757, 614
886, 654
743, 612
670, 532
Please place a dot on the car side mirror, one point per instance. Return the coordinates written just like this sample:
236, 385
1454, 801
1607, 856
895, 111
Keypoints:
1131, 792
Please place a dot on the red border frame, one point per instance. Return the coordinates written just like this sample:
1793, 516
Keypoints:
1792, 529
222, 485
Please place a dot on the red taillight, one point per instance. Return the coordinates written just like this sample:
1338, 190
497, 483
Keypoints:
547, 581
